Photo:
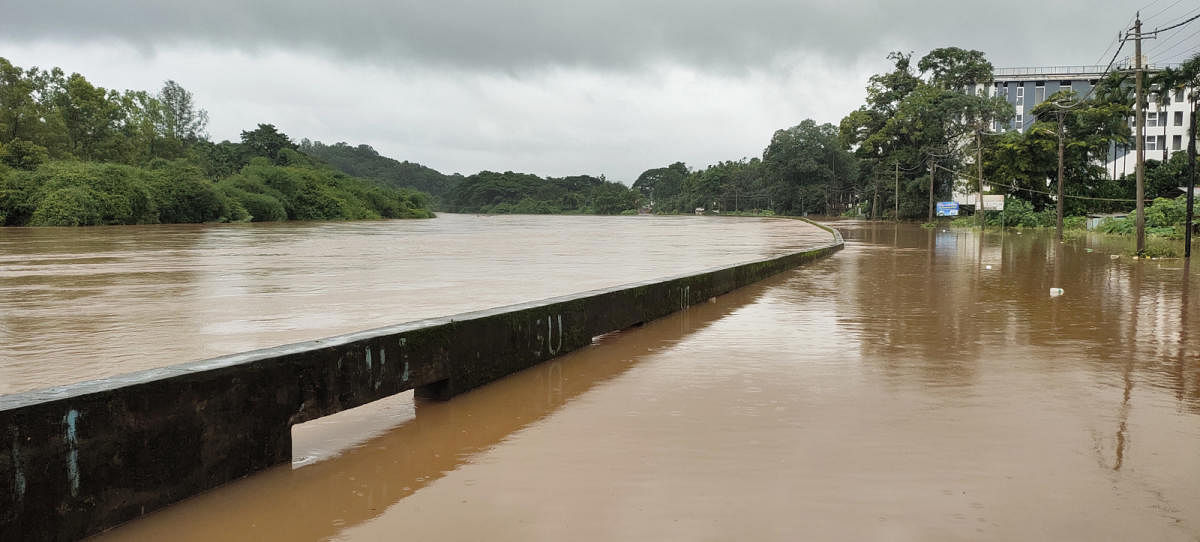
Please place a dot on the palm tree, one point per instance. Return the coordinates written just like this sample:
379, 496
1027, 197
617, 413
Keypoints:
1116, 88
1189, 77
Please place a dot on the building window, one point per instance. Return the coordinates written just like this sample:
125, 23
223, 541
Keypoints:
1151, 143
1039, 93
1179, 118
1064, 85
1176, 142
1020, 121
1178, 95
1021, 95
1151, 119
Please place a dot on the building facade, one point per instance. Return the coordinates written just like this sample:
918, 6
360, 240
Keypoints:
1166, 117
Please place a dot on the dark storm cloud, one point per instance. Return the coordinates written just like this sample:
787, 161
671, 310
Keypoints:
620, 34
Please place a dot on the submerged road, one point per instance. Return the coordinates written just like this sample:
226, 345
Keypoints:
918, 385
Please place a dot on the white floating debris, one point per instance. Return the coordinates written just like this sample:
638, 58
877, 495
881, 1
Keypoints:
1114, 257
1055, 292
987, 267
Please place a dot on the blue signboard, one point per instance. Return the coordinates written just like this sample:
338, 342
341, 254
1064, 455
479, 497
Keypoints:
947, 208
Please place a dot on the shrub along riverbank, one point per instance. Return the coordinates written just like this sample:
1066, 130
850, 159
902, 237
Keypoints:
74, 193
1164, 223
74, 154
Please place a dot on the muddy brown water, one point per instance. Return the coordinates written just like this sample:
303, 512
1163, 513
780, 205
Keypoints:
918, 385
83, 303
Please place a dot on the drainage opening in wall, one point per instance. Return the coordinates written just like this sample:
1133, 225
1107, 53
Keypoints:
333, 435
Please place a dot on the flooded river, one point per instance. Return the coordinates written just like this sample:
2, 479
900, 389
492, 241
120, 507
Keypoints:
83, 303
919, 385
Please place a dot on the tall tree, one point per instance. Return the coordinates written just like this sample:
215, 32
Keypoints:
267, 141
181, 119
806, 165
956, 69
661, 187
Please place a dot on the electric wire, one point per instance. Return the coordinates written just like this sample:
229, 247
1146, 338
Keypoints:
1167, 53
1167, 39
1015, 187
1164, 10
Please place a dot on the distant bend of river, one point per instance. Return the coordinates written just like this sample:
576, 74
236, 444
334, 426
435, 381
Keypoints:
79, 304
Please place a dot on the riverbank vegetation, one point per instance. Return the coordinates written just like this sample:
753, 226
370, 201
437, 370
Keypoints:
484, 192
75, 154
926, 131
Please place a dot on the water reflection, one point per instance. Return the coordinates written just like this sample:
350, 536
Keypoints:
314, 500
959, 299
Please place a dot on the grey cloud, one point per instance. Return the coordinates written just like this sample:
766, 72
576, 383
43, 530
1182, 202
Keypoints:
621, 34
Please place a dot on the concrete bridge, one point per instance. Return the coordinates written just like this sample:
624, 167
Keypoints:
79, 459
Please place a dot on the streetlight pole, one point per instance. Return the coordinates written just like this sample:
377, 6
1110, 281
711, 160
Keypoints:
979, 176
931, 189
897, 198
1059, 229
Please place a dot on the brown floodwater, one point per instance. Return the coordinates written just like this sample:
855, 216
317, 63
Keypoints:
918, 385
84, 303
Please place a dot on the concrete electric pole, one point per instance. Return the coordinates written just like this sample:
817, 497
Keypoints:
1139, 118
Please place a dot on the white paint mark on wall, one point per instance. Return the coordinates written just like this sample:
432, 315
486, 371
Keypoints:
382, 363
73, 455
403, 343
550, 335
18, 474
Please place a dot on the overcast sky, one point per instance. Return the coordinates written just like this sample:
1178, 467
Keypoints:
553, 87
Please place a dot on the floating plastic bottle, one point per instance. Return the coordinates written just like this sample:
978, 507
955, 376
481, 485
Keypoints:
1055, 292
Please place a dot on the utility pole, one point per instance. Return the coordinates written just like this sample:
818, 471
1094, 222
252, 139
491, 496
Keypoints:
875, 199
1187, 222
930, 189
979, 176
1140, 220
1059, 229
897, 202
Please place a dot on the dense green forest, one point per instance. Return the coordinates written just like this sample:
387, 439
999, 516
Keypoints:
483, 192
803, 170
524, 193
75, 154
364, 161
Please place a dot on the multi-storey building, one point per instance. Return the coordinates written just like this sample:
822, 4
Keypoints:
1166, 120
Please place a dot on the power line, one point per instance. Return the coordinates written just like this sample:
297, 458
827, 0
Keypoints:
1107, 49
1168, 39
1184, 41
1180, 16
1181, 56
1177, 25
1163, 10
1015, 187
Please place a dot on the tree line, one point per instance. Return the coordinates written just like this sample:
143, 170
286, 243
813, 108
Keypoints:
927, 128
76, 154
